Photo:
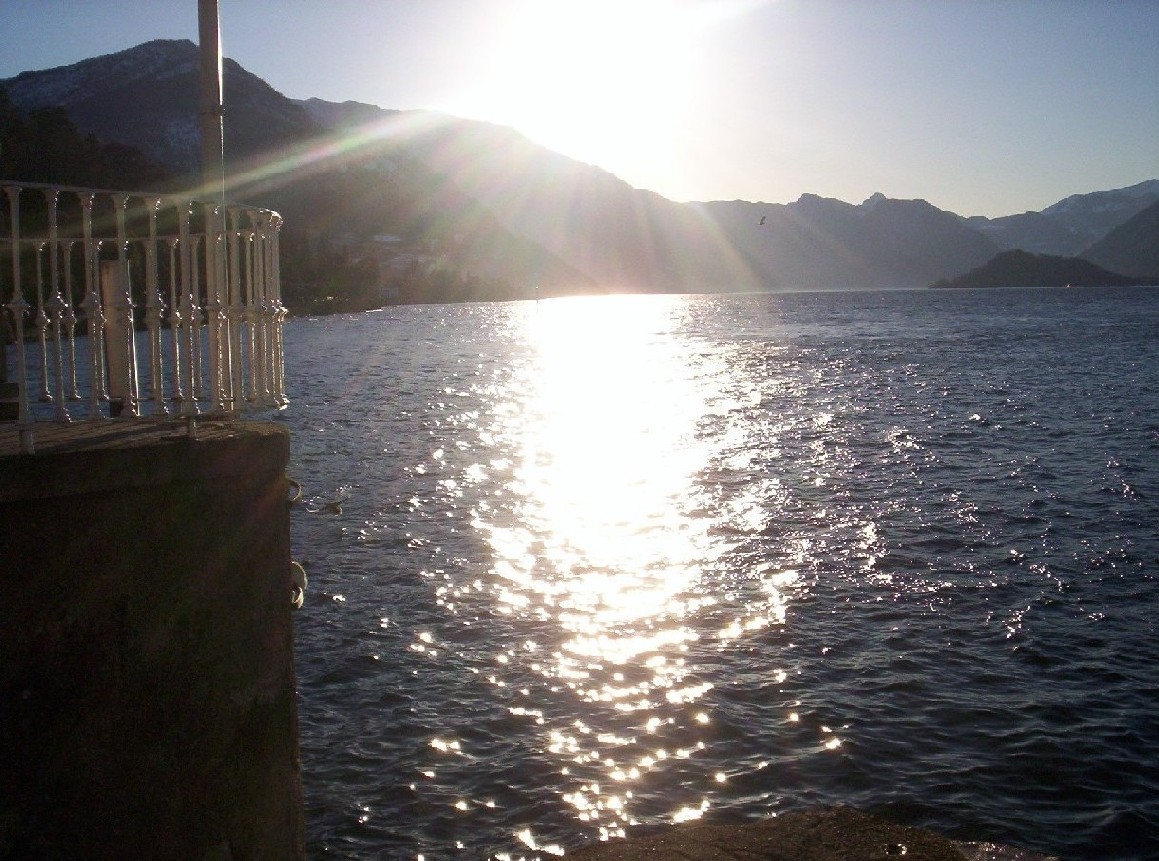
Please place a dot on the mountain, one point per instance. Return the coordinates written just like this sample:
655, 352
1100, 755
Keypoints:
477, 210
1030, 231
334, 115
1071, 225
147, 97
1025, 269
822, 242
1132, 247
636, 239
1093, 215
625, 238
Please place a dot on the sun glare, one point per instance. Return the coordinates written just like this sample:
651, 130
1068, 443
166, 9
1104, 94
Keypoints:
607, 459
608, 420
602, 81
611, 417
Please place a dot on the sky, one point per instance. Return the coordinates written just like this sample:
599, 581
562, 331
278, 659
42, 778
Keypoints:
982, 107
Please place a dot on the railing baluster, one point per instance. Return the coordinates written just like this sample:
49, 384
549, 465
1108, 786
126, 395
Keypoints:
189, 399
274, 281
213, 304
236, 312
42, 325
55, 304
94, 314
124, 308
263, 392
252, 316
18, 307
154, 307
196, 322
175, 321
70, 321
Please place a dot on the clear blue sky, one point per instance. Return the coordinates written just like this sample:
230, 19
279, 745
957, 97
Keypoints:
982, 107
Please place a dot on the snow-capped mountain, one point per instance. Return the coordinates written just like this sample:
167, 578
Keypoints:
1093, 215
1071, 225
147, 97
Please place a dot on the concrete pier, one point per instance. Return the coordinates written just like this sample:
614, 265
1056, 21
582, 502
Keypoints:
147, 692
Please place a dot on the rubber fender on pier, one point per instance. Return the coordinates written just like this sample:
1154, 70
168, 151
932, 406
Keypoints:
298, 579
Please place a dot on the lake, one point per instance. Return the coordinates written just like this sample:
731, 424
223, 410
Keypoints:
588, 564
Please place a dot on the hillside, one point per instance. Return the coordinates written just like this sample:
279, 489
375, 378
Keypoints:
635, 239
1024, 269
1133, 246
415, 206
146, 97
44, 145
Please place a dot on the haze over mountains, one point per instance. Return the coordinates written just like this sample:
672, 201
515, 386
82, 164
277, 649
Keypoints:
488, 204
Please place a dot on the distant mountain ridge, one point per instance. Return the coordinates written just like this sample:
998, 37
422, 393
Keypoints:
1092, 213
463, 189
1071, 225
335, 115
818, 242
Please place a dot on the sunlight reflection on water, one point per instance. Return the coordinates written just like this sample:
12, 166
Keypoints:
599, 527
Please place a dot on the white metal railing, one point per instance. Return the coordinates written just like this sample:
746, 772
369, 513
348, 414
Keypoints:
90, 280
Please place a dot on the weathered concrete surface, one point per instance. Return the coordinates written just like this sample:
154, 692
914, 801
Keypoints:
827, 834
123, 435
147, 695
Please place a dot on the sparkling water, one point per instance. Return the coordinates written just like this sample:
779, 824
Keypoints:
583, 565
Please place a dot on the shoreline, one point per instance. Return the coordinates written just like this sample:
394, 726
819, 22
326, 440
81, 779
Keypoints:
817, 834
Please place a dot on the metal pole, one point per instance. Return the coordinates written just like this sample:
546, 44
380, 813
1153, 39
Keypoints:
211, 107
212, 177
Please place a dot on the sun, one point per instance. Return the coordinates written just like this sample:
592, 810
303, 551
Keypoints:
602, 81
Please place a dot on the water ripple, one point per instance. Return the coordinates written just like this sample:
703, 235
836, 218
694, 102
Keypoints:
581, 565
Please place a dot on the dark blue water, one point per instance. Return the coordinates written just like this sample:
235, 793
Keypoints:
596, 563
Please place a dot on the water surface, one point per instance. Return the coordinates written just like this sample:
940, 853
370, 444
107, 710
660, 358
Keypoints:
589, 563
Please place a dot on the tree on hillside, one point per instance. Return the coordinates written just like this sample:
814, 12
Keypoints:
45, 146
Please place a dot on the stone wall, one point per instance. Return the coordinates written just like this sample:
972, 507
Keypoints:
147, 693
